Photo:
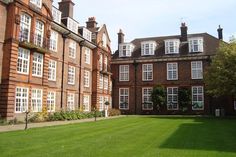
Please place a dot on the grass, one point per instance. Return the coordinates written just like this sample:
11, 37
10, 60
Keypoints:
133, 136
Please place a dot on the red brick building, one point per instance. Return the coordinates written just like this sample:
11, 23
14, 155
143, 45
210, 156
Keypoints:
172, 61
47, 60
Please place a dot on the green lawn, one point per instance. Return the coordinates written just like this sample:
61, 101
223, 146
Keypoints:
132, 136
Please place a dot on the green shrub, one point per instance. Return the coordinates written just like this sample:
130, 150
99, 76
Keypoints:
113, 112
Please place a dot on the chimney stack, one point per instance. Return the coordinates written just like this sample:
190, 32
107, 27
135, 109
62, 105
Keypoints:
66, 7
120, 37
91, 23
220, 33
184, 32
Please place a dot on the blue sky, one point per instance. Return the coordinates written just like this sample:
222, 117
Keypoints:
147, 18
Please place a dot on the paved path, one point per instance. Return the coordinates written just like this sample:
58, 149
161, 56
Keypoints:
53, 123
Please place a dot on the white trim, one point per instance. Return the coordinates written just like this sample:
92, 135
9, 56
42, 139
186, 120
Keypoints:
148, 48
51, 101
199, 44
147, 71
174, 68
86, 78
87, 56
197, 94
70, 105
126, 49
37, 68
172, 46
71, 73
38, 100
86, 103
53, 40
25, 26
199, 70
123, 72
172, 95
53, 70
21, 99
72, 49
123, 96
147, 95
26, 53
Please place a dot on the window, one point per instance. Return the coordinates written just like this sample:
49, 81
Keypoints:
87, 34
39, 30
72, 25
171, 46
196, 44
38, 3
23, 61
101, 104
147, 99
37, 65
53, 41
124, 72
21, 101
101, 81
100, 62
51, 101
86, 78
148, 48
70, 101
71, 75
172, 98
147, 72
52, 70
172, 71
105, 63
105, 83
124, 98
72, 49
196, 72
36, 100
25, 24
197, 98
104, 40
125, 49
86, 103
87, 55
56, 14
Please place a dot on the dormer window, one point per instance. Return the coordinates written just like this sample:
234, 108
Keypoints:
195, 44
72, 25
148, 48
172, 46
87, 34
38, 3
56, 14
126, 49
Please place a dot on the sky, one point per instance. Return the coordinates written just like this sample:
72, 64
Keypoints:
151, 18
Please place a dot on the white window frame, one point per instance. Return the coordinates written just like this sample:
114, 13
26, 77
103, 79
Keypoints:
51, 101
147, 103
36, 100
100, 62
172, 46
148, 48
100, 81
71, 75
196, 70
23, 61
52, 70
72, 49
172, 71
147, 70
70, 101
125, 49
195, 44
72, 25
21, 99
53, 41
37, 69
123, 95
87, 56
38, 3
173, 97
104, 40
197, 97
39, 33
105, 63
87, 34
86, 78
86, 103
25, 27
56, 14
101, 104
105, 83
124, 73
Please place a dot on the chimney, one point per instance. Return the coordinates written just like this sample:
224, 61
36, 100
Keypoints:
91, 23
184, 32
220, 33
120, 37
66, 7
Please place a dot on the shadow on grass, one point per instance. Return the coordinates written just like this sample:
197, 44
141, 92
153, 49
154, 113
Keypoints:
211, 134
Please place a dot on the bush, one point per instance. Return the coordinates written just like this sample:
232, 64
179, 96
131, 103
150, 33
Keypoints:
113, 112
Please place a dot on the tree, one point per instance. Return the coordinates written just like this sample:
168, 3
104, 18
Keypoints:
220, 78
158, 96
184, 97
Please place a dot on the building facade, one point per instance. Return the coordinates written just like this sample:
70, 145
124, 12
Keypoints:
175, 62
47, 58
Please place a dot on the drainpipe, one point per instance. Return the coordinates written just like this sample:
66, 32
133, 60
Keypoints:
64, 36
135, 64
81, 43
